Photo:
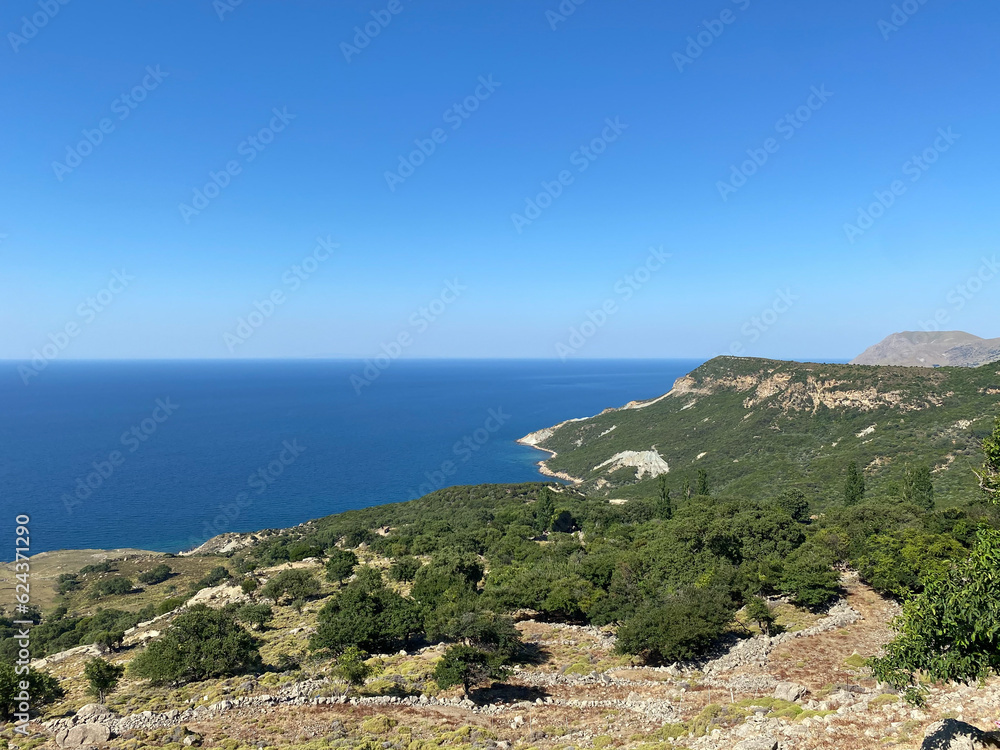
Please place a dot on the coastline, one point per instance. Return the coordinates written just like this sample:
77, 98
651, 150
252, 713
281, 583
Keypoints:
543, 469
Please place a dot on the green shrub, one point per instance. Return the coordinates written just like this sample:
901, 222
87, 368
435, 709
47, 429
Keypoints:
200, 644
155, 575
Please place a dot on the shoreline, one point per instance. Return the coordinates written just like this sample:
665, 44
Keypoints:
543, 469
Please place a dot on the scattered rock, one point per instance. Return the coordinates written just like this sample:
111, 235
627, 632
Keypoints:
758, 743
83, 734
789, 691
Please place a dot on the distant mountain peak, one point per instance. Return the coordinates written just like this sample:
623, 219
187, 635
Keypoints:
931, 349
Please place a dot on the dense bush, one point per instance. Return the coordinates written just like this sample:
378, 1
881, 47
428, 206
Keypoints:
42, 687
291, 585
114, 586
155, 575
677, 627
340, 565
201, 643
366, 614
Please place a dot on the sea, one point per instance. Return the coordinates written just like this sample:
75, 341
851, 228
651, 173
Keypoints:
162, 455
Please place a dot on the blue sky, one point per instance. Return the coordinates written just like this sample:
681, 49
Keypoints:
692, 91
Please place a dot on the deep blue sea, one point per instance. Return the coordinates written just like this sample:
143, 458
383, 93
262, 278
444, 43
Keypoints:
162, 455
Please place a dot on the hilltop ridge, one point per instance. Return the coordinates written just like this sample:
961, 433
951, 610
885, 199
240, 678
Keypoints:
746, 421
931, 349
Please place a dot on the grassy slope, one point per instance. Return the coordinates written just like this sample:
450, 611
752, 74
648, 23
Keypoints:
766, 424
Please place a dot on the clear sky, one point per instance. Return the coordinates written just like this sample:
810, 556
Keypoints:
634, 115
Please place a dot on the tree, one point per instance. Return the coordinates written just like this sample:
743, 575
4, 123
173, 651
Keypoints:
989, 476
214, 577
200, 644
43, 689
114, 586
404, 569
854, 485
702, 482
545, 508
686, 489
352, 667
951, 630
468, 667
682, 626
340, 566
760, 612
102, 677
365, 614
808, 577
918, 487
291, 585
664, 506
795, 502
255, 615
155, 575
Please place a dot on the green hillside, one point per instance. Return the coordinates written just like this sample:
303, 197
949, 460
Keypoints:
760, 426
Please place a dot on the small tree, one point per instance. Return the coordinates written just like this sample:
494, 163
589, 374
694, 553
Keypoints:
702, 482
854, 485
42, 687
468, 667
405, 569
759, 611
352, 667
255, 615
293, 585
918, 487
664, 506
545, 508
200, 644
341, 565
155, 575
102, 677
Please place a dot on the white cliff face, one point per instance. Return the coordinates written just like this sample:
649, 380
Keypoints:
645, 462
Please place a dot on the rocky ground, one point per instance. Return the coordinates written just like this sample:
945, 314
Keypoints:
804, 689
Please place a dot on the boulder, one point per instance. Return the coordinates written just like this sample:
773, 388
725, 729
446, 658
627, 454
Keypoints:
757, 743
94, 711
83, 735
789, 691
951, 734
